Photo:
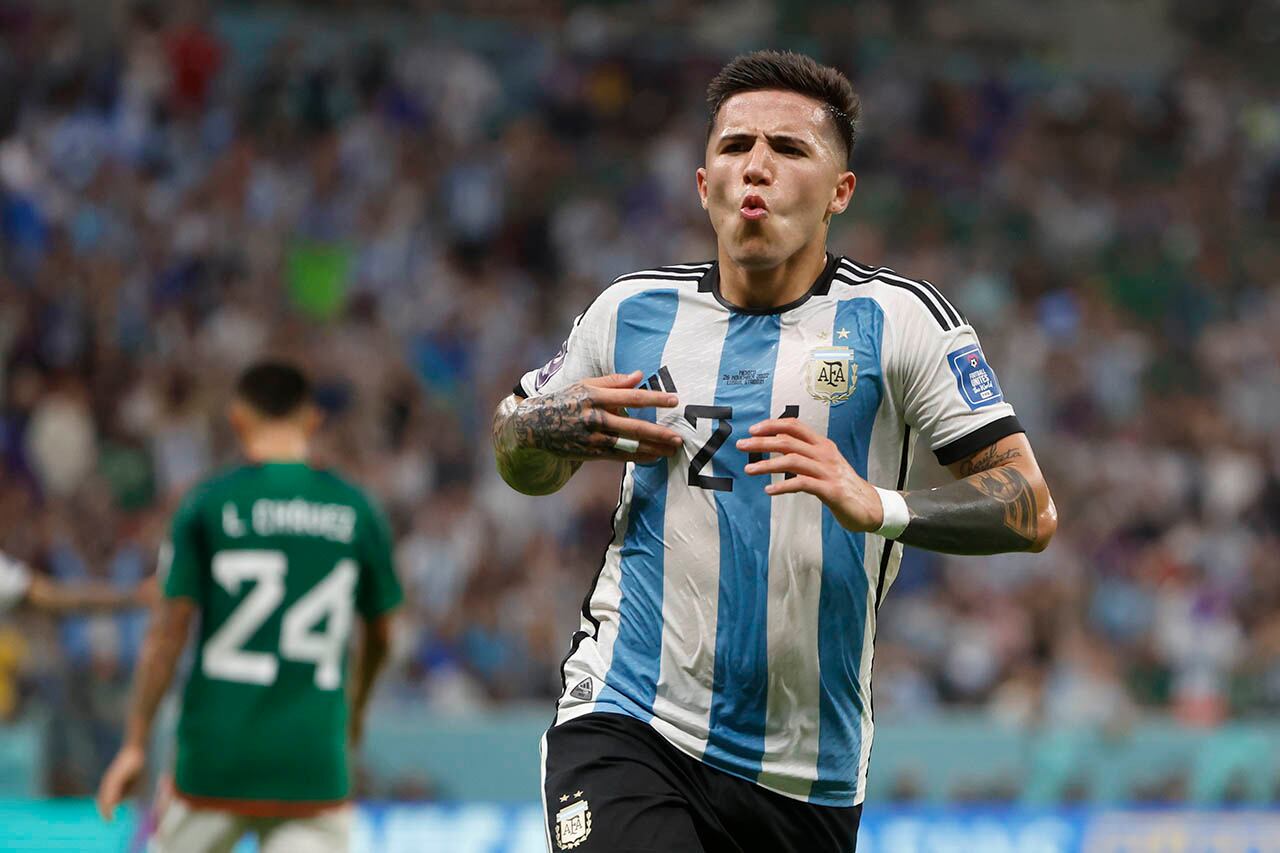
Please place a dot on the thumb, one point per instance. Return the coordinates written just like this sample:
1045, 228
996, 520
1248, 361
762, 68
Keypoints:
617, 380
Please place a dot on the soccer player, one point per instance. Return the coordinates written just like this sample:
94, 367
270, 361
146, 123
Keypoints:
768, 404
274, 557
19, 586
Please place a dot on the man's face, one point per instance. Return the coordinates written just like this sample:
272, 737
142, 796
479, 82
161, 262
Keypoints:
775, 170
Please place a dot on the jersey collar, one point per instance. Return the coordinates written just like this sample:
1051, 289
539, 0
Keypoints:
710, 283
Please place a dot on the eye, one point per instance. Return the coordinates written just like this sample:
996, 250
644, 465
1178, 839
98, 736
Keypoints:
789, 150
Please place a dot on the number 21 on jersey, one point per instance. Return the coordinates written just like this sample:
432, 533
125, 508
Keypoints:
225, 657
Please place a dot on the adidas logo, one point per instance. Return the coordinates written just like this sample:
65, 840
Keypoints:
583, 690
660, 381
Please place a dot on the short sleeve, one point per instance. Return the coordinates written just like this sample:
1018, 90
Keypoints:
583, 355
949, 392
15, 580
182, 558
379, 589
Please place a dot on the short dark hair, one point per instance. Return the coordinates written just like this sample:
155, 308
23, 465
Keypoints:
274, 389
790, 72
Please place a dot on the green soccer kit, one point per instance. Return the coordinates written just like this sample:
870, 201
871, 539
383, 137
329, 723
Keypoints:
277, 556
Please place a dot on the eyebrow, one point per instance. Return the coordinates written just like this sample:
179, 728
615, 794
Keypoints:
773, 138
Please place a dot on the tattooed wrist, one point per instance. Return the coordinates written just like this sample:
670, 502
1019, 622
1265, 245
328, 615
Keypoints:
523, 464
991, 512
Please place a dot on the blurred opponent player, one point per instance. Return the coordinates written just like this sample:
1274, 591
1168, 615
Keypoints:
717, 695
275, 557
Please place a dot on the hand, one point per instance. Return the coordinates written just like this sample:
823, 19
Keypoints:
582, 421
819, 468
119, 778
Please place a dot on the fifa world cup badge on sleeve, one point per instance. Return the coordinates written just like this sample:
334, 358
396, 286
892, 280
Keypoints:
977, 381
830, 374
551, 368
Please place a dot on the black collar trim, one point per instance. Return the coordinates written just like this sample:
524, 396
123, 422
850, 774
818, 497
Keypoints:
710, 283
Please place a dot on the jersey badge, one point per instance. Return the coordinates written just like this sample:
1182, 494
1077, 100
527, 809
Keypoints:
573, 823
831, 374
977, 382
583, 690
551, 368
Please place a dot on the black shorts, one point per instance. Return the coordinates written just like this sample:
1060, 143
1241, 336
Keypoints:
613, 785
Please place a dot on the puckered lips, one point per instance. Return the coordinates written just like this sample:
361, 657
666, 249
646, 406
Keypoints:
754, 207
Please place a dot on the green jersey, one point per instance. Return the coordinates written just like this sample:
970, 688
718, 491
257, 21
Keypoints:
278, 556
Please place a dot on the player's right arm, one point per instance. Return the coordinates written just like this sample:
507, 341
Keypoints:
573, 410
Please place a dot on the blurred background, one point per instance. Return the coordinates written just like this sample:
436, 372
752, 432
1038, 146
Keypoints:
415, 199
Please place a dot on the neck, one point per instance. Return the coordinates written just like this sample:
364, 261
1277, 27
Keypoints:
770, 287
276, 445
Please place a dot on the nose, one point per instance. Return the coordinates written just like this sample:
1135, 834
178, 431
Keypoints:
759, 168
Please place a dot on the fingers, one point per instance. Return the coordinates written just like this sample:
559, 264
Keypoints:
786, 426
647, 449
635, 398
615, 380
791, 463
797, 484
645, 431
774, 444
109, 795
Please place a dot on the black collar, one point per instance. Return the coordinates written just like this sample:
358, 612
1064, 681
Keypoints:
710, 283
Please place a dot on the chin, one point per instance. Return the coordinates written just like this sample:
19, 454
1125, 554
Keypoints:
756, 255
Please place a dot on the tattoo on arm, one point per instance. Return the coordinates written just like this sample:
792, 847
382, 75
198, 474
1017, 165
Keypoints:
990, 512
531, 437
988, 459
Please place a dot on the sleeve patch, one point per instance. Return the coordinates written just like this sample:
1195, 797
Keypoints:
976, 380
551, 368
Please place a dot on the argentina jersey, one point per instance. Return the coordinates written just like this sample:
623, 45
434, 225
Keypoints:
740, 625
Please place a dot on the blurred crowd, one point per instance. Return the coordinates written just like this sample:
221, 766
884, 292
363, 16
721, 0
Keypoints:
416, 203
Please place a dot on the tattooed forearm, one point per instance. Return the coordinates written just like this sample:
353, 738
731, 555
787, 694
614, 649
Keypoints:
991, 512
527, 435
988, 459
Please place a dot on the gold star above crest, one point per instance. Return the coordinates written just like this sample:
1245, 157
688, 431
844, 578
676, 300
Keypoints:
577, 793
844, 334
564, 798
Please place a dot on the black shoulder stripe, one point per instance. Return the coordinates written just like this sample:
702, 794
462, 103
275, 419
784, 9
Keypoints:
915, 290
654, 275
887, 275
952, 310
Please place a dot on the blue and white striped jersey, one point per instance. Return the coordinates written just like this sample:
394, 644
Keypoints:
739, 625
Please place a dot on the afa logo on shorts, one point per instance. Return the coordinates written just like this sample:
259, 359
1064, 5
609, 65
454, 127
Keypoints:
978, 384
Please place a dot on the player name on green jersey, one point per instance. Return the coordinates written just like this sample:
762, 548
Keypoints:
279, 557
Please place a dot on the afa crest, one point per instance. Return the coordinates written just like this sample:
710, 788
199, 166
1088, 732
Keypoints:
573, 824
830, 374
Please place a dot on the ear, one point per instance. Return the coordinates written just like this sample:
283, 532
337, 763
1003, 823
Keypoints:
701, 176
240, 418
843, 193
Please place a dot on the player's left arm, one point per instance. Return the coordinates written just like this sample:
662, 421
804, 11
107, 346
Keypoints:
1000, 503
183, 573
166, 637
